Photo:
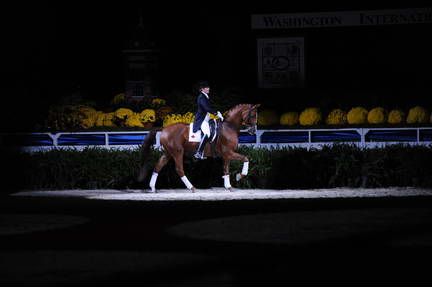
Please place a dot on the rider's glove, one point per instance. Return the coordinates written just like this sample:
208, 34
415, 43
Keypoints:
220, 116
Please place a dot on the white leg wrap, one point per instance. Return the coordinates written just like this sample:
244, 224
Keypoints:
227, 183
244, 171
245, 168
186, 182
153, 181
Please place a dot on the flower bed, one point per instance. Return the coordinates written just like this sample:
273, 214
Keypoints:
159, 112
314, 117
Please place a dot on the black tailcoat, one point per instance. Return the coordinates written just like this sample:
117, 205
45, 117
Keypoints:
204, 107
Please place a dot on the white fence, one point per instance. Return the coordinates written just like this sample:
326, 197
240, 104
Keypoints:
307, 138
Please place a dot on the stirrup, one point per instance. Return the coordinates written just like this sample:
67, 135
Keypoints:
199, 156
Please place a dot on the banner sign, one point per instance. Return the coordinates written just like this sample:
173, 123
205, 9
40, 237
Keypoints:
340, 19
280, 62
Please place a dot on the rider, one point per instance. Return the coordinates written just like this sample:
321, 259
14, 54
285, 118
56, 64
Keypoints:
202, 117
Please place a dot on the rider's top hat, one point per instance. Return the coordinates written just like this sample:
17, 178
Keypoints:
203, 84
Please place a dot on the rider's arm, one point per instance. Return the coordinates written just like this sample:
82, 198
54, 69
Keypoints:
205, 104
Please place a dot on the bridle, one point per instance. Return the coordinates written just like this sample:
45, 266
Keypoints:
251, 127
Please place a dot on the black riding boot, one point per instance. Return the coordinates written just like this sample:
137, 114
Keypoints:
200, 151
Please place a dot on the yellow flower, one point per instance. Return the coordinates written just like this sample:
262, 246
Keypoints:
289, 119
377, 116
123, 113
108, 120
133, 120
336, 117
86, 109
171, 119
120, 98
396, 117
188, 118
357, 115
310, 116
178, 118
158, 102
100, 118
417, 115
148, 116
267, 118
89, 116
104, 119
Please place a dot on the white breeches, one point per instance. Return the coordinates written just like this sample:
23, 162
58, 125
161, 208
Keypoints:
205, 126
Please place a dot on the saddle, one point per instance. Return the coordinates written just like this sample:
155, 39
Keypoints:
196, 137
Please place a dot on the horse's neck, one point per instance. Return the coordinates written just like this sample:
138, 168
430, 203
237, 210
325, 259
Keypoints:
234, 118
231, 126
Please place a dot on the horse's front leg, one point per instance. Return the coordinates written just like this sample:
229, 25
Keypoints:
245, 160
244, 172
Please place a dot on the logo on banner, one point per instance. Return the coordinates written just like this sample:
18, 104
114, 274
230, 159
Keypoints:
280, 62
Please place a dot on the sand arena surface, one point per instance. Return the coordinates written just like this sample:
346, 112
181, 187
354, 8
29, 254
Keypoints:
218, 194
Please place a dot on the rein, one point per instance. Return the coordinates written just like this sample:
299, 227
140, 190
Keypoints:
231, 122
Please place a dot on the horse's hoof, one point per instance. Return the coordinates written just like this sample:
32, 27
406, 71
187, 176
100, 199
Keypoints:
239, 176
230, 189
193, 189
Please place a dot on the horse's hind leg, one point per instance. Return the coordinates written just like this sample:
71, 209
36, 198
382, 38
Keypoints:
178, 158
163, 160
226, 176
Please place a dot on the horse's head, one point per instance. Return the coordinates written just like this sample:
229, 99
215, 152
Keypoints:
250, 118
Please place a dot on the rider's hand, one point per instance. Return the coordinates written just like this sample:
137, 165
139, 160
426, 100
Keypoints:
220, 116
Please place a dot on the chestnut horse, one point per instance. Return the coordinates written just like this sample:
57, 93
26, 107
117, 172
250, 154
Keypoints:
175, 142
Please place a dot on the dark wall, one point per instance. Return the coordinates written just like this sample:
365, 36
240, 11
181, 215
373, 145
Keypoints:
372, 65
55, 51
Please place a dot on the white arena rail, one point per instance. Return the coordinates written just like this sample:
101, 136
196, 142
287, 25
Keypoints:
268, 138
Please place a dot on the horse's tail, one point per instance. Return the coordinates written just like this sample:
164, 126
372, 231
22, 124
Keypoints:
145, 152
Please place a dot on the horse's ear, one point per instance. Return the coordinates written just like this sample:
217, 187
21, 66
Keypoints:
256, 106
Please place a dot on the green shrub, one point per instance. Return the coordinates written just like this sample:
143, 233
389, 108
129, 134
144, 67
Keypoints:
282, 168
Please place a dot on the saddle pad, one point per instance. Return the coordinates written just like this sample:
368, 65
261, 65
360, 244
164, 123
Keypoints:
194, 137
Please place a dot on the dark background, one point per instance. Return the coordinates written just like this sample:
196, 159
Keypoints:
48, 52
52, 51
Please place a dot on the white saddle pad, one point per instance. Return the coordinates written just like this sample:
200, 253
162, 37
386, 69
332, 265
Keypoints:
194, 137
